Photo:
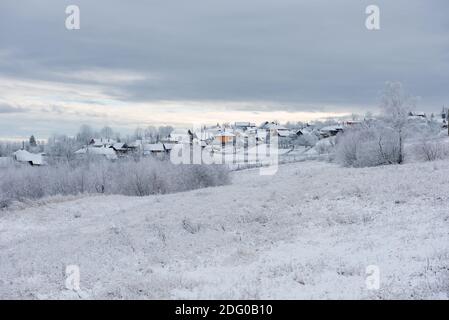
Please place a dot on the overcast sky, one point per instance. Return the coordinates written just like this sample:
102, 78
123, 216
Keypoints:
135, 63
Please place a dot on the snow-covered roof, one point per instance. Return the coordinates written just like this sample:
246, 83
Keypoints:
225, 134
304, 130
25, 156
181, 135
169, 146
272, 126
102, 141
283, 132
418, 114
119, 146
244, 124
331, 128
153, 147
353, 122
109, 153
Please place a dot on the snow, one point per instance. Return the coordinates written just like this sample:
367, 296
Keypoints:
6, 162
307, 232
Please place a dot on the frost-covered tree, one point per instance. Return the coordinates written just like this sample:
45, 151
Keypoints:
106, 132
396, 105
164, 131
85, 134
7, 148
306, 140
151, 133
139, 134
380, 141
61, 147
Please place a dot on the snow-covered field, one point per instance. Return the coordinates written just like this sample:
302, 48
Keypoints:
309, 231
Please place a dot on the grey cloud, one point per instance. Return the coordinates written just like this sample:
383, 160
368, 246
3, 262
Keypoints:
6, 108
295, 55
288, 51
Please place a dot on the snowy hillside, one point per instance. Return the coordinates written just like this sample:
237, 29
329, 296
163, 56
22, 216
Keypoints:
307, 232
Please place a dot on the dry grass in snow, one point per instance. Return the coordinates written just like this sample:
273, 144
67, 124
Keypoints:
307, 232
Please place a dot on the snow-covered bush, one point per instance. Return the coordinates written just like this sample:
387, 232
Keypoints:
127, 177
368, 147
306, 140
325, 146
431, 150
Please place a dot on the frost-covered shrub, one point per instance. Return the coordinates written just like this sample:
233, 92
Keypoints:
325, 146
128, 177
367, 147
431, 150
306, 140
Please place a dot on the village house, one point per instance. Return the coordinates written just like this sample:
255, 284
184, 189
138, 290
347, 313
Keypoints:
96, 152
34, 159
158, 150
244, 125
123, 149
417, 115
330, 131
181, 136
275, 129
102, 142
224, 137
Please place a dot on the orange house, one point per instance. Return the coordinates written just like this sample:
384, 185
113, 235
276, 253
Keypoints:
224, 137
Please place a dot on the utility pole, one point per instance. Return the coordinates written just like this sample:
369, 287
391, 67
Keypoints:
447, 120
446, 114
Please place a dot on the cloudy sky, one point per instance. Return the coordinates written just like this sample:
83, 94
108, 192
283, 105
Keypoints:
135, 63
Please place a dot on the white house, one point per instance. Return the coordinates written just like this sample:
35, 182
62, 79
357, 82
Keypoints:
329, 131
156, 149
181, 136
34, 159
102, 142
105, 152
